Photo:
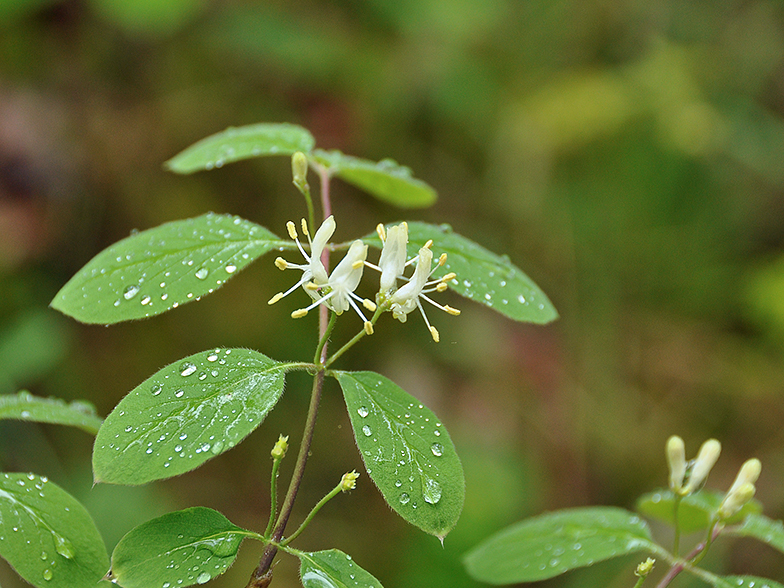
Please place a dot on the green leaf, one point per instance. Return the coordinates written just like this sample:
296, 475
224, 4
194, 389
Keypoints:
762, 528
159, 269
235, 144
47, 535
695, 511
181, 548
482, 276
385, 180
24, 406
743, 582
550, 544
333, 569
185, 414
406, 450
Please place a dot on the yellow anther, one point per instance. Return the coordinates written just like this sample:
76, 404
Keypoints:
442, 259
369, 304
299, 313
281, 263
304, 224
311, 286
429, 244
358, 264
292, 229
448, 277
434, 333
452, 311
275, 298
441, 287
368, 327
382, 234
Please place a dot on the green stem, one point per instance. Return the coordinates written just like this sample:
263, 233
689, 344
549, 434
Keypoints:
677, 539
273, 496
713, 531
327, 332
379, 311
332, 493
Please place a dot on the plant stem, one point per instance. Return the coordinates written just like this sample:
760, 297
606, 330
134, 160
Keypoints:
354, 339
677, 540
273, 496
330, 495
262, 575
678, 567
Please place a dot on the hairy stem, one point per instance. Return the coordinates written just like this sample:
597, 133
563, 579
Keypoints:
262, 575
678, 567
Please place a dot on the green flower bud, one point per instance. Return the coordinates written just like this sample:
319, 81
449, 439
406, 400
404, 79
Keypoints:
349, 481
299, 169
645, 568
281, 445
736, 499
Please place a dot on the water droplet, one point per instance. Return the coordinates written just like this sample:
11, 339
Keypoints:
187, 368
437, 433
130, 291
202, 375
203, 578
431, 491
179, 393
367, 431
63, 546
216, 449
404, 498
437, 449
202, 273
398, 483
362, 411
146, 300
44, 555
212, 357
117, 302
178, 448
521, 299
47, 575
156, 389
230, 269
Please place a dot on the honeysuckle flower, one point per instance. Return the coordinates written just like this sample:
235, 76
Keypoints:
393, 255
313, 272
676, 460
406, 298
706, 459
338, 292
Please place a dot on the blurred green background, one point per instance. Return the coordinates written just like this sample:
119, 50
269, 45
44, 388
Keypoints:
627, 154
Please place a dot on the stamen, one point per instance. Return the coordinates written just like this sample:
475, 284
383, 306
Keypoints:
357, 264
369, 304
442, 259
429, 244
382, 234
434, 333
312, 286
447, 309
368, 327
299, 313
292, 229
281, 263
275, 298
441, 287
304, 224
450, 310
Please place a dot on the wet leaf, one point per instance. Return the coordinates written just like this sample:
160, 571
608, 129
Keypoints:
695, 510
182, 548
742, 582
386, 180
762, 528
185, 414
237, 143
159, 269
26, 407
47, 535
406, 450
333, 569
550, 544
482, 276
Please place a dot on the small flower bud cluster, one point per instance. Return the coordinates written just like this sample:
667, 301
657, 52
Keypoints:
280, 448
349, 481
336, 290
688, 477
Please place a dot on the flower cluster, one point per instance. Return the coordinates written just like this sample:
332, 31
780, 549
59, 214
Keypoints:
688, 477
336, 290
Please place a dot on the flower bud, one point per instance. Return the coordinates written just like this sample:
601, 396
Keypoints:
748, 474
281, 445
645, 568
706, 459
676, 460
299, 170
736, 499
349, 481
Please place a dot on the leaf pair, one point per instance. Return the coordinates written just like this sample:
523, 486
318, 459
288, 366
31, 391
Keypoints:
195, 545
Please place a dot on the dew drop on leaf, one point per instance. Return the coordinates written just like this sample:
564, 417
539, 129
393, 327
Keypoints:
367, 431
405, 498
202, 273
130, 292
231, 268
431, 491
48, 575
156, 389
187, 368
203, 578
362, 411
437, 449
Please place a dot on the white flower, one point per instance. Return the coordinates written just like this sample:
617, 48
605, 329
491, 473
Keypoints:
314, 275
406, 298
393, 255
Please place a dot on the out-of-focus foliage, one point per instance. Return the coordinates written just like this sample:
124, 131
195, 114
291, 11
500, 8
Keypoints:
627, 156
